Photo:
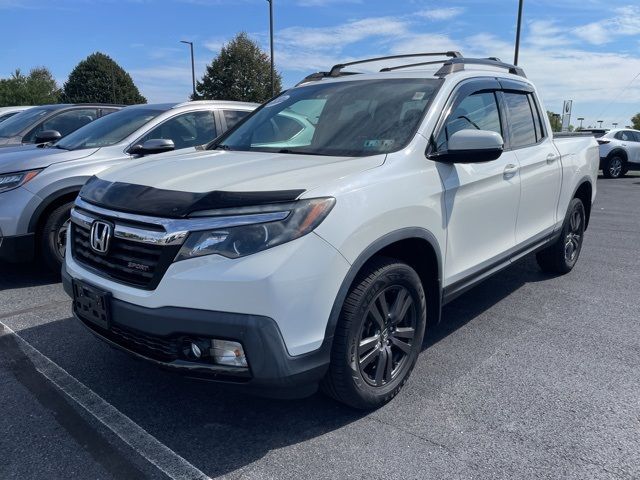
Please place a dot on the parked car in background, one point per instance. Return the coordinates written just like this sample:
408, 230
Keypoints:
311, 243
38, 186
619, 149
48, 123
8, 112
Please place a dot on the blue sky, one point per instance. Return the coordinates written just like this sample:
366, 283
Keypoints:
584, 50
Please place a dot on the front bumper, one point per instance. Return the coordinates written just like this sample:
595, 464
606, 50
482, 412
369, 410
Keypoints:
272, 371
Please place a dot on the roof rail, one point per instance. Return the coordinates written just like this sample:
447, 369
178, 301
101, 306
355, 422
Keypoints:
457, 65
336, 70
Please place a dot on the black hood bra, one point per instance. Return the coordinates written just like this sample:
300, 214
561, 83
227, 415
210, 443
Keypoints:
157, 202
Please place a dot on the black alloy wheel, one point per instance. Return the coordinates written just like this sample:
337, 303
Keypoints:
386, 336
378, 336
562, 255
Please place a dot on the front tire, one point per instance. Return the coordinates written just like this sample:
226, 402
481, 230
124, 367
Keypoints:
614, 167
562, 256
379, 335
53, 236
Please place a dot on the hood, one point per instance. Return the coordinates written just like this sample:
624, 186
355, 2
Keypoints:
17, 148
25, 158
9, 141
206, 171
202, 180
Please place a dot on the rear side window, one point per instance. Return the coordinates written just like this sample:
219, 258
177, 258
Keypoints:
521, 124
234, 116
478, 111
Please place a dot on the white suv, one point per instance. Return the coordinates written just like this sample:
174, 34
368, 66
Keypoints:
315, 241
618, 149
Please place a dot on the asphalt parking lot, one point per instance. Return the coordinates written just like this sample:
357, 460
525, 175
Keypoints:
529, 376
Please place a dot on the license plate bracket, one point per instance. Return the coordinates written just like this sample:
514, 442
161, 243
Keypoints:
92, 304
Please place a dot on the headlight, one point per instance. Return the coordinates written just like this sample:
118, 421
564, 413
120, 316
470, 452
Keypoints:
293, 221
9, 181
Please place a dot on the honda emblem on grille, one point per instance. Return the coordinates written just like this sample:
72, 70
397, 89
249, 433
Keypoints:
100, 236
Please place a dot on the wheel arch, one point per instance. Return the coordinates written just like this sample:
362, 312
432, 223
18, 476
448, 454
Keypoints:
584, 192
618, 151
51, 202
417, 247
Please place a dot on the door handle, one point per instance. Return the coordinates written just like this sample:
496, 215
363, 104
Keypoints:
552, 157
510, 170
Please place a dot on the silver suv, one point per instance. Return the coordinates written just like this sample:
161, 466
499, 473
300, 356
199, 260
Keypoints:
38, 185
618, 149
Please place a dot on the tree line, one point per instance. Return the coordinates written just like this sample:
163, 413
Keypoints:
241, 72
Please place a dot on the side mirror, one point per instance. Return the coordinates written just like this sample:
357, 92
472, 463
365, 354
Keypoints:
473, 146
154, 145
47, 136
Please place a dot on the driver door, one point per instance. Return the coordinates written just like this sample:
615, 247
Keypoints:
481, 199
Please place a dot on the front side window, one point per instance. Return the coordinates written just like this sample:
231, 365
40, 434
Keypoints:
625, 136
65, 123
478, 111
521, 124
349, 118
186, 130
109, 130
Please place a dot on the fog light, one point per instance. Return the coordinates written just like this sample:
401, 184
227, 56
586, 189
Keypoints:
229, 353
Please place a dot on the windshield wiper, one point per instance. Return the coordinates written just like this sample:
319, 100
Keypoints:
221, 146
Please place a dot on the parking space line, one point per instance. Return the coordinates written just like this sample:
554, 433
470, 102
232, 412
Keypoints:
145, 444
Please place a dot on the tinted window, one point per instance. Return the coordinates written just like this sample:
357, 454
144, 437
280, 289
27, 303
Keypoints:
351, 118
109, 130
234, 116
521, 124
625, 136
635, 136
23, 120
107, 111
538, 122
65, 122
478, 111
186, 130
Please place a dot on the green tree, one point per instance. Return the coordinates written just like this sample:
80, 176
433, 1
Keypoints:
37, 88
241, 72
99, 79
556, 121
635, 121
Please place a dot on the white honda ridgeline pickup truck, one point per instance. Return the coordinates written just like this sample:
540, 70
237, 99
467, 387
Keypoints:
313, 243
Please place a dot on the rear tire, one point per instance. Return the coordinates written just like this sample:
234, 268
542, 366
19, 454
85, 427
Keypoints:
379, 335
54, 235
562, 256
614, 166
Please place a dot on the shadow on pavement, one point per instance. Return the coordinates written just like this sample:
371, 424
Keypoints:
20, 275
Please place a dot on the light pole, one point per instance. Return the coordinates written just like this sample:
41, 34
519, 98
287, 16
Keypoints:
580, 119
193, 68
518, 28
600, 122
615, 124
273, 85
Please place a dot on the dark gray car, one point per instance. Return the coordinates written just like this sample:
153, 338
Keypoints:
40, 124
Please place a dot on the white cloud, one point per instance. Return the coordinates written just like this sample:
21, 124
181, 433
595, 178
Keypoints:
441, 13
626, 22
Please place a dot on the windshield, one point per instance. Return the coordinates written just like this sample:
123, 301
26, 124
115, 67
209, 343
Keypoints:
16, 124
109, 130
352, 118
